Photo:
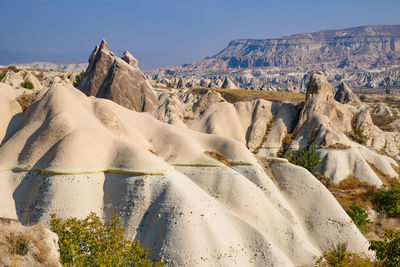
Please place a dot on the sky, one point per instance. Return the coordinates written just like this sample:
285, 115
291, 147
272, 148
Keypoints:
167, 32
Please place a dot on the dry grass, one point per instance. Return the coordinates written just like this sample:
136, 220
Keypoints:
386, 179
236, 95
264, 163
24, 246
384, 121
285, 145
25, 100
267, 130
337, 146
349, 191
219, 157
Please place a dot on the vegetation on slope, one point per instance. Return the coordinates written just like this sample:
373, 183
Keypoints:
307, 157
90, 242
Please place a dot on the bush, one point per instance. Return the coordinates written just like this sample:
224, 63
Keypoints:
359, 137
388, 250
2, 76
78, 80
362, 98
90, 242
307, 157
27, 85
388, 200
338, 256
359, 217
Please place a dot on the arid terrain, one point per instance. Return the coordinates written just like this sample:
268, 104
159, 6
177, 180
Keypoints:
204, 175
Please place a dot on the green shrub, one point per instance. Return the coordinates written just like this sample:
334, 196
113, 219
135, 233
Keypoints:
11, 67
362, 98
359, 136
388, 250
27, 85
359, 217
388, 200
307, 157
2, 76
78, 80
90, 242
338, 256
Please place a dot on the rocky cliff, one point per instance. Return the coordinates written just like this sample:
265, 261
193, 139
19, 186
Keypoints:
353, 48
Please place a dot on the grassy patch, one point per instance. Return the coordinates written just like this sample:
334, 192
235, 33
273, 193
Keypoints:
350, 191
285, 145
219, 157
236, 95
267, 130
338, 256
27, 85
384, 121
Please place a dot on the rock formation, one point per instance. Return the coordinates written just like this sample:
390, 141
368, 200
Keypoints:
169, 183
119, 80
345, 95
228, 84
362, 47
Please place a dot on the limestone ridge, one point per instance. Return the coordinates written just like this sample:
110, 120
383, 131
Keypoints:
118, 79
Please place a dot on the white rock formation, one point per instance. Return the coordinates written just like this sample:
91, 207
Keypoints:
72, 154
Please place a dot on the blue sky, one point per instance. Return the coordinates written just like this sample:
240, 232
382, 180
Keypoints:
168, 32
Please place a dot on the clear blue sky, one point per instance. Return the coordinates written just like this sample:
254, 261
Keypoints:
168, 32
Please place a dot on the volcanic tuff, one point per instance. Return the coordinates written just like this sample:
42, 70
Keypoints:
363, 57
360, 47
117, 79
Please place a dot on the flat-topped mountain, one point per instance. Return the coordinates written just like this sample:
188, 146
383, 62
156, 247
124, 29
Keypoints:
362, 47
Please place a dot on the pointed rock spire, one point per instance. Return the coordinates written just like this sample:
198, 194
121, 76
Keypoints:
228, 84
128, 58
108, 76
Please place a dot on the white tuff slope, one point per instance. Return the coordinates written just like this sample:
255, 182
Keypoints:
71, 154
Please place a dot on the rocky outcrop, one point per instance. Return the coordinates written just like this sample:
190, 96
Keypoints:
119, 80
228, 84
345, 95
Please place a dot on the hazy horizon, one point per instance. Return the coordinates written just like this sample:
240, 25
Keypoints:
161, 33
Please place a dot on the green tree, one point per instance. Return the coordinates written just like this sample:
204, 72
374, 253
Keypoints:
307, 157
90, 242
359, 217
78, 80
388, 249
388, 200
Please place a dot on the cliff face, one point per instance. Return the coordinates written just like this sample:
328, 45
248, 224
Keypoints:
354, 48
